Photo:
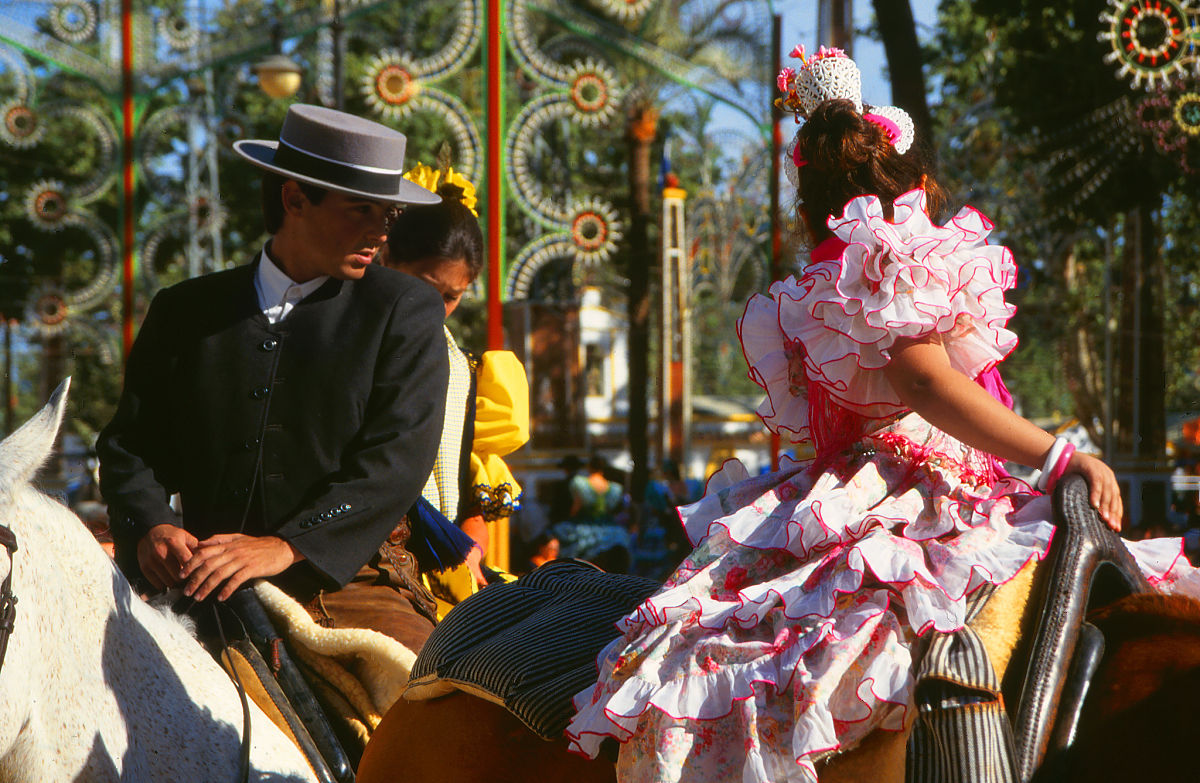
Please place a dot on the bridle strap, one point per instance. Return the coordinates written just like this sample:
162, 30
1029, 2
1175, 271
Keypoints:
8, 601
244, 757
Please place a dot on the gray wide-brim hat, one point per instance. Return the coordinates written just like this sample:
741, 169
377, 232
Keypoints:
336, 150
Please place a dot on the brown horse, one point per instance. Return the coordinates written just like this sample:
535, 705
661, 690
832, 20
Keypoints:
466, 739
1137, 721
1140, 717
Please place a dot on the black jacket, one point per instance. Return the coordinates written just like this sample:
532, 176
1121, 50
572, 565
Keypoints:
321, 429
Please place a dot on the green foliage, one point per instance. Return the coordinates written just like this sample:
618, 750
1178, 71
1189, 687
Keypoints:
1181, 252
1032, 119
714, 35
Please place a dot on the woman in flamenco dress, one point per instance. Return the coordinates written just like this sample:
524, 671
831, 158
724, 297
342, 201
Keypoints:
787, 634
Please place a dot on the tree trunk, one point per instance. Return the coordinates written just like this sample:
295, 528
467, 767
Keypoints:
642, 127
898, 29
1141, 391
1084, 363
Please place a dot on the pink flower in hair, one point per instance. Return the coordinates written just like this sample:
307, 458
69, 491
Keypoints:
785, 78
798, 52
832, 51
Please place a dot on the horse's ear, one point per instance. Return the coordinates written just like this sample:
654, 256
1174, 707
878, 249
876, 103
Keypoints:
23, 452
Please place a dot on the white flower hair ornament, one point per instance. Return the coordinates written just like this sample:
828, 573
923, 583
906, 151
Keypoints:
827, 75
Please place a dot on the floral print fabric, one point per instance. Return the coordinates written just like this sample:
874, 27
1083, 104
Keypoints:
787, 634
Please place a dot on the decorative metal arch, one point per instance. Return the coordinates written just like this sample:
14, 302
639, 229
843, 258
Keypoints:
574, 72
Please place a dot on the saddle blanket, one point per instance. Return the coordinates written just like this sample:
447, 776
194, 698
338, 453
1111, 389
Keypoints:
529, 645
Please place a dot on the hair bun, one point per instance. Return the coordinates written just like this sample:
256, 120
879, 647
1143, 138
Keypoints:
451, 192
837, 138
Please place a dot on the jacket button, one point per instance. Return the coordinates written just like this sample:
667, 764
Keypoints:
250, 444
344, 507
269, 344
260, 392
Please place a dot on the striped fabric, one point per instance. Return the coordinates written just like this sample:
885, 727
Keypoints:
532, 644
442, 487
962, 733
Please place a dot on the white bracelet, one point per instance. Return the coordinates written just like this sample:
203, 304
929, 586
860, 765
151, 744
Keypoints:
1056, 451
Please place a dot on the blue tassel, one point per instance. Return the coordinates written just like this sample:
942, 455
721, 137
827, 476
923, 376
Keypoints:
436, 542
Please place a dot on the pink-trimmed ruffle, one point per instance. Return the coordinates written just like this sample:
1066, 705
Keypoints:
904, 278
804, 594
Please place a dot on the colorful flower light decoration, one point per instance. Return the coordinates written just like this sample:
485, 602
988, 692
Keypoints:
1152, 40
593, 93
73, 21
1187, 113
178, 31
46, 205
594, 230
47, 311
389, 85
20, 126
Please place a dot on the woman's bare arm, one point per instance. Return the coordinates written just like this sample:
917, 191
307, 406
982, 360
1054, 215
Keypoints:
923, 379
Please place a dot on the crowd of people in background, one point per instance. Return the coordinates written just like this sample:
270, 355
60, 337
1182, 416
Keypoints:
588, 513
593, 510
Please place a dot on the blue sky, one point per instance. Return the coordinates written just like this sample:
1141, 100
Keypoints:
800, 26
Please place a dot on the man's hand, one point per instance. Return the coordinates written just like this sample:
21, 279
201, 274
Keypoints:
228, 560
162, 553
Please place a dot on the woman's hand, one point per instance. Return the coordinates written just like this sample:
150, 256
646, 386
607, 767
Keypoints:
474, 558
1105, 494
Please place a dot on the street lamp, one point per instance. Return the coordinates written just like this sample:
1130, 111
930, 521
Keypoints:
278, 75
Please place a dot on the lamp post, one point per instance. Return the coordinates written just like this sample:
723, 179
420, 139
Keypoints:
335, 29
279, 75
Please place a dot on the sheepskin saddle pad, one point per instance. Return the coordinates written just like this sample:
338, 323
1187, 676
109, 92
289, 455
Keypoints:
361, 671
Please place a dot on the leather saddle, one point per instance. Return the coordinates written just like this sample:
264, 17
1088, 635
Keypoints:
240, 635
1089, 568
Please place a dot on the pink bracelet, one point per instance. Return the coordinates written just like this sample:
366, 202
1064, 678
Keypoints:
1060, 467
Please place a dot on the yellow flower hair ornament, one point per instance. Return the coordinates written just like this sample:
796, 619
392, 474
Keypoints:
429, 178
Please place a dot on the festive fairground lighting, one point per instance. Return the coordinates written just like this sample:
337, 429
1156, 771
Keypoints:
1154, 41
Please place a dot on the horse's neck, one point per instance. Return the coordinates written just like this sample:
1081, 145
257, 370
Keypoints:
94, 678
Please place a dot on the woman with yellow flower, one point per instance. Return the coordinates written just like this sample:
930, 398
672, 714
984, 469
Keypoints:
487, 403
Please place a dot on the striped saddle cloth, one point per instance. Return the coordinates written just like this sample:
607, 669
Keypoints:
531, 644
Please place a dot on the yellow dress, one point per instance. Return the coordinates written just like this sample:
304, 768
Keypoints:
501, 419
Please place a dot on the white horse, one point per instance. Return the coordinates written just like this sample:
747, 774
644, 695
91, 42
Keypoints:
96, 684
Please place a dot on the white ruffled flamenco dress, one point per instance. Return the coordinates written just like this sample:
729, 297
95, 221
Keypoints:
786, 635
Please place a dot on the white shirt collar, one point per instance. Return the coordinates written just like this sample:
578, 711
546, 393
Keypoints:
278, 293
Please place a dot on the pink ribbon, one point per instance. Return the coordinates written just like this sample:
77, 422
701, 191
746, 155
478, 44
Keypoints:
890, 128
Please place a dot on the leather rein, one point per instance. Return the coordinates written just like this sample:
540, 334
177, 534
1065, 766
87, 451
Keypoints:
8, 601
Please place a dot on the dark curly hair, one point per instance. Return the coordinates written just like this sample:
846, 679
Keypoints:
848, 156
445, 230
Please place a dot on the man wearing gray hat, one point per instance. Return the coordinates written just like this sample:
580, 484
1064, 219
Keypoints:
294, 403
